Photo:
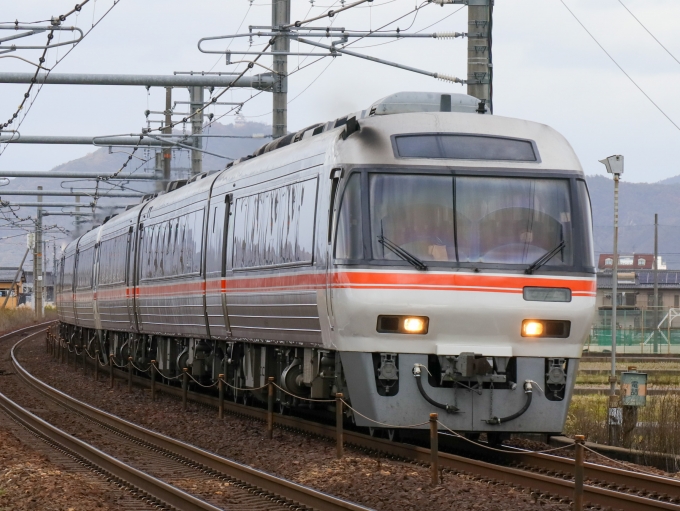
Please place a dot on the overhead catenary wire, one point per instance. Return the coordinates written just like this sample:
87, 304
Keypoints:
649, 32
620, 67
30, 106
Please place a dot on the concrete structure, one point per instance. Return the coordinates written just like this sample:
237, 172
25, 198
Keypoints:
6, 277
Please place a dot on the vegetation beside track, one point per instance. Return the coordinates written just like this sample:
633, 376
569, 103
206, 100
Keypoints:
658, 428
13, 319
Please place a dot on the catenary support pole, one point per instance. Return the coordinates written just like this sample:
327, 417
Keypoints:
656, 283
280, 18
196, 129
479, 50
37, 262
167, 153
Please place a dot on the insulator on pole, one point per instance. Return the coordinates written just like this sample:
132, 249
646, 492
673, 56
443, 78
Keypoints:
449, 78
448, 35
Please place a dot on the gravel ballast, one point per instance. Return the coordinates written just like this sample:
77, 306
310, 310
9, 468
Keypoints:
378, 483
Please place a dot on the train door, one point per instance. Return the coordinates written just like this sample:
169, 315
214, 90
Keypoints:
131, 278
336, 176
76, 260
95, 284
215, 265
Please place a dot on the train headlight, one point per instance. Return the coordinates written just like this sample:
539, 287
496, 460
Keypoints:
531, 328
414, 325
403, 324
546, 328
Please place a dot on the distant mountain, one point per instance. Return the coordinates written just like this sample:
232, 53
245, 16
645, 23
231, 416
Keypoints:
637, 204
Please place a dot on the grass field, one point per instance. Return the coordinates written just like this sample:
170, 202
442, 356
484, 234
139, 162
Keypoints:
12, 319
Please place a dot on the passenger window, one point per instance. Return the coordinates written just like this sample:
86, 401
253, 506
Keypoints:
275, 227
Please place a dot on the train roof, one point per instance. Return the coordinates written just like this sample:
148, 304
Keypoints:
367, 137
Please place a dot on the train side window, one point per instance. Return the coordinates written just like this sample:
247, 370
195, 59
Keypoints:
349, 239
112, 260
275, 227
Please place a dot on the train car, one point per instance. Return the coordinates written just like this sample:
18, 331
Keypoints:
416, 256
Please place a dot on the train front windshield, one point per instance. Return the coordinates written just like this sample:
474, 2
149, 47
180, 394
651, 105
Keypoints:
463, 219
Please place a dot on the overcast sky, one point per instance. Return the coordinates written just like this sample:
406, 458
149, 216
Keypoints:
546, 69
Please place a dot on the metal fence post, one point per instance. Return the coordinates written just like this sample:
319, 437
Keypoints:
185, 387
153, 380
129, 374
220, 387
111, 370
340, 447
270, 408
96, 365
578, 472
434, 449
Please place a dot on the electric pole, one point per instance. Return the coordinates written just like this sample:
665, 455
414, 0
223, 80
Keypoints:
479, 51
656, 283
167, 153
37, 261
196, 129
280, 18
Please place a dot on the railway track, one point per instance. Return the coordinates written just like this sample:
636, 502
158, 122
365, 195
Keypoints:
544, 474
158, 469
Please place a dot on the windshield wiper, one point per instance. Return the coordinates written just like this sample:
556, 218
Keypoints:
404, 254
544, 258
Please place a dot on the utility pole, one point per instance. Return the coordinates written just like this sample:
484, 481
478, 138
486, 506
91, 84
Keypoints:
37, 261
196, 129
167, 152
656, 283
479, 51
54, 272
614, 165
280, 17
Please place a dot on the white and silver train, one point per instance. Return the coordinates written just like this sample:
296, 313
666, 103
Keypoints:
416, 256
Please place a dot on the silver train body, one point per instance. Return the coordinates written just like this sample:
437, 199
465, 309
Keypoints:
418, 257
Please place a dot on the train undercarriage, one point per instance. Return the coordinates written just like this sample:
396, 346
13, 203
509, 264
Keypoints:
472, 393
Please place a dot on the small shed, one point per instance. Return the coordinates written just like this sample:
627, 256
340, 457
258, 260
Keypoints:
6, 278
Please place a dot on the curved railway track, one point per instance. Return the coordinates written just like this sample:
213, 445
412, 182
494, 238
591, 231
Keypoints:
158, 469
548, 475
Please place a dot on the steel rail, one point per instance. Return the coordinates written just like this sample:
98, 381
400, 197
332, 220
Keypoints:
535, 481
139, 480
285, 489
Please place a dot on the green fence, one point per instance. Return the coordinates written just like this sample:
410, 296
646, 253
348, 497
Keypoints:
635, 332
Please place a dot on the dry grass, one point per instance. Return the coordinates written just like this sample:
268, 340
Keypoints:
658, 429
12, 319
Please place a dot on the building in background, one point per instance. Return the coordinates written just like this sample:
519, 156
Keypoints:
16, 291
635, 316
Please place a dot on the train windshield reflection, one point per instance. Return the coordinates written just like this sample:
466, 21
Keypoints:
471, 219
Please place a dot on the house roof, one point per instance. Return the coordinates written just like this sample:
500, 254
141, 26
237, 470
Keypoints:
637, 261
7, 275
